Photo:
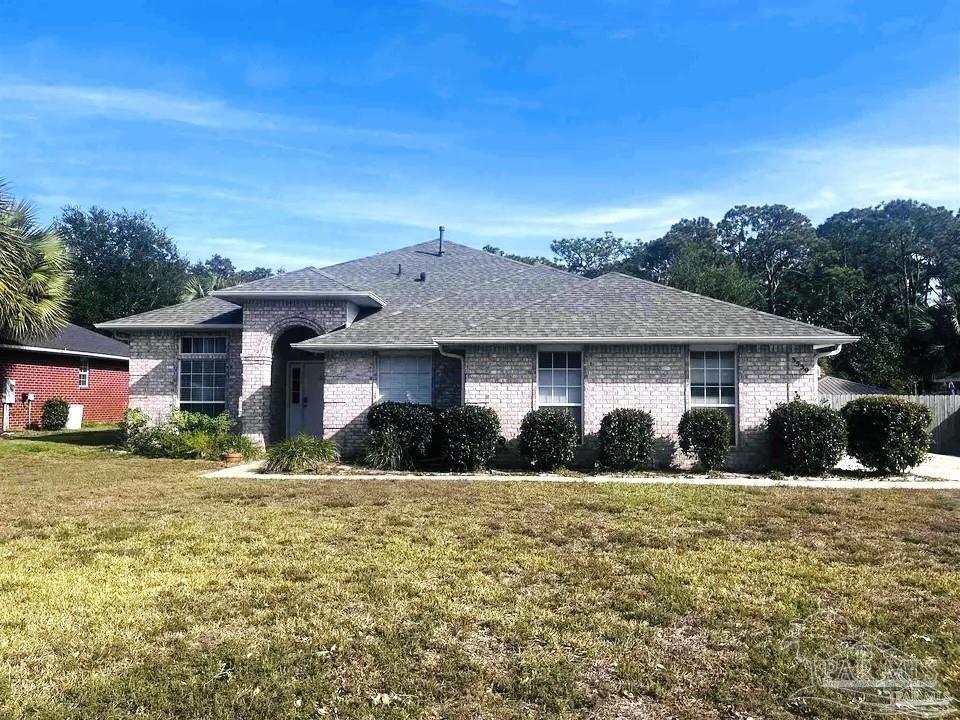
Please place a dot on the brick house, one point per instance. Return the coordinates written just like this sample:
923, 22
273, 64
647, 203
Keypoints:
312, 350
81, 366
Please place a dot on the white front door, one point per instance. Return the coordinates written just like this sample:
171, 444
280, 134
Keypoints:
304, 398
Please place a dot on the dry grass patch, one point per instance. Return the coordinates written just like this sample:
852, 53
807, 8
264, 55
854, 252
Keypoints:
135, 588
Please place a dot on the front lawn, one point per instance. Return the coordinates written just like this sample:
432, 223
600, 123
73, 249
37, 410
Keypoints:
134, 588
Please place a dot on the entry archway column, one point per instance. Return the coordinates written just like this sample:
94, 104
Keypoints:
255, 397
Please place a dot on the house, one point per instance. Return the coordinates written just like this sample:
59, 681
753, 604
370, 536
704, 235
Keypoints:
831, 386
81, 366
443, 323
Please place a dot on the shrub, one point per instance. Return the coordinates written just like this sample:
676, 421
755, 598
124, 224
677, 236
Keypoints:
705, 434
412, 426
888, 434
301, 454
548, 437
805, 438
626, 439
187, 422
385, 451
54, 416
132, 427
232, 442
470, 435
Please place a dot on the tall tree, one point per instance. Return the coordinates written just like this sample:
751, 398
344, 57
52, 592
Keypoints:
769, 241
528, 259
34, 273
123, 264
591, 256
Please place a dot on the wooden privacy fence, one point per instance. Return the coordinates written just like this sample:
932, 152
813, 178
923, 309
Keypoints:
946, 417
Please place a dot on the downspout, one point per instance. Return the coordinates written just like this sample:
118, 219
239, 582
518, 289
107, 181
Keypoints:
816, 361
463, 372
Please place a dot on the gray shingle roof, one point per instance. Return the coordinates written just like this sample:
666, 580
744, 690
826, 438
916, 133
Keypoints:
76, 339
830, 385
619, 306
203, 311
307, 279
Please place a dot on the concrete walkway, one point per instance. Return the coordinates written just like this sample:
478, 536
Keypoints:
249, 471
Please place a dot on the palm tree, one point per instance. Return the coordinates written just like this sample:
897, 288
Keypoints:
34, 273
936, 331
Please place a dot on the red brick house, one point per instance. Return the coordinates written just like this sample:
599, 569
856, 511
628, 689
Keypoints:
81, 366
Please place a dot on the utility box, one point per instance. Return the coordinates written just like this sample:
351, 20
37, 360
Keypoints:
9, 391
74, 417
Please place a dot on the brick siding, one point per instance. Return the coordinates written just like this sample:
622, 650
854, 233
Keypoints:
47, 375
349, 389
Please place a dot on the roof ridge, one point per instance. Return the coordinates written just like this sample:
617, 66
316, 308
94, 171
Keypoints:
668, 288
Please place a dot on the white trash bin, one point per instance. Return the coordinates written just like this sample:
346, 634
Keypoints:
74, 417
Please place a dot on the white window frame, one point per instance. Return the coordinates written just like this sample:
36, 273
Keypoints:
200, 357
736, 383
536, 390
83, 375
387, 356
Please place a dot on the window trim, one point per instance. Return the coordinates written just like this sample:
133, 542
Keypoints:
192, 356
416, 354
736, 383
536, 383
83, 375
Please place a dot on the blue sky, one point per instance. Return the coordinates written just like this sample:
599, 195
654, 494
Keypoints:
287, 134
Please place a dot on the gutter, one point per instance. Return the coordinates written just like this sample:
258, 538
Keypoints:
55, 351
172, 326
310, 346
830, 340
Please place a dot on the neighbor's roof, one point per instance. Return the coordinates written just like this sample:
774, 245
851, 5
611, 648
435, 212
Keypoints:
72, 340
206, 312
954, 378
830, 385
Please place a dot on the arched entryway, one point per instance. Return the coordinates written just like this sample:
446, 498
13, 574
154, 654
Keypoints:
296, 381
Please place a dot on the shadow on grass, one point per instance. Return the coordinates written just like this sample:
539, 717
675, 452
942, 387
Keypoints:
87, 438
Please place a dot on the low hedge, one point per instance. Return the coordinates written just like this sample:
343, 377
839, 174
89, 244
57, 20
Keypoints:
470, 434
548, 437
184, 435
625, 439
888, 434
705, 434
413, 426
54, 414
806, 438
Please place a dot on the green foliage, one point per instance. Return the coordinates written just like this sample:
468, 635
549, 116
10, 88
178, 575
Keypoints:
526, 259
591, 256
470, 434
805, 438
132, 426
218, 273
34, 273
548, 437
54, 416
888, 434
301, 454
412, 425
626, 439
123, 264
385, 450
185, 422
705, 434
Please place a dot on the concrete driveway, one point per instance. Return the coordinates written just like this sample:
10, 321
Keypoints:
941, 467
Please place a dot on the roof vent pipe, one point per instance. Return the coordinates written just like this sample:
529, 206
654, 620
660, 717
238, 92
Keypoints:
423, 277
399, 269
442, 228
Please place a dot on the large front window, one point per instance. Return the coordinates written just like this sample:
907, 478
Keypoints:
203, 380
406, 378
560, 381
713, 381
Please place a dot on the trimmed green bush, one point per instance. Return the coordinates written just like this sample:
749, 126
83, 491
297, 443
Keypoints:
184, 435
548, 437
626, 439
301, 454
888, 434
412, 425
187, 422
54, 416
705, 434
470, 434
806, 438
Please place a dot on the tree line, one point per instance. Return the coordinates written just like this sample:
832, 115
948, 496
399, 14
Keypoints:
889, 273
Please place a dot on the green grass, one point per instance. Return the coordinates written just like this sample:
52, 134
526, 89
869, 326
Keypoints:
134, 588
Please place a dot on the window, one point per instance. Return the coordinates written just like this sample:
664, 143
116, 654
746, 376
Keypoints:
295, 373
406, 378
207, 345
713, 382
203, 381
560, 381
83, 376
